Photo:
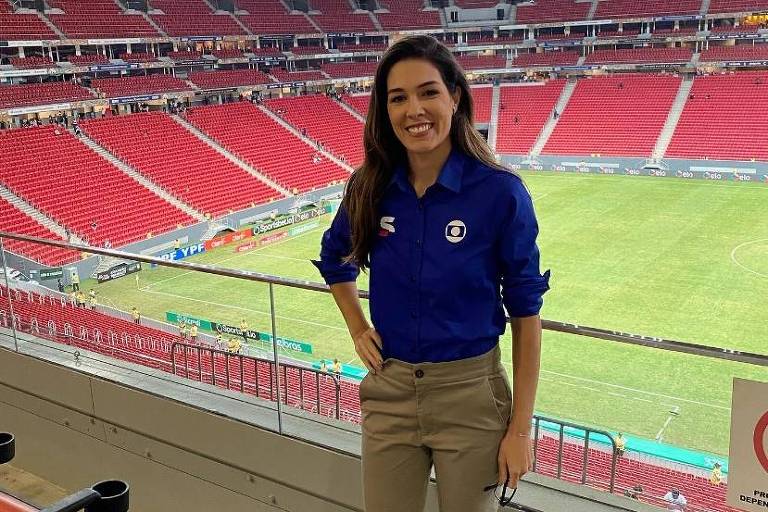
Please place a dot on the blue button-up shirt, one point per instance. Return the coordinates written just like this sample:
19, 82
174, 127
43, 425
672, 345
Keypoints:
442, 265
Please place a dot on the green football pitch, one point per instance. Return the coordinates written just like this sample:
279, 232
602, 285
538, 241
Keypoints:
672, 258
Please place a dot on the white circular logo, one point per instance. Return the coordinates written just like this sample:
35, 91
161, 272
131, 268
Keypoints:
455, 231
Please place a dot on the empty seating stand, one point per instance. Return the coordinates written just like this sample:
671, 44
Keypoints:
180, 25
349, 69
646, 8
23, 27
717, 6
758, 52
85, 60
270, 17
41, 94
721, 119
32, 62
14, 220
482, 97
358, 102
543, 11
137, 85
326, 121
227, 79
74, 186
523, 110
470, 62
664, 55
614, 116
253, 136
103, 25
338, 16
178, 161
550, 58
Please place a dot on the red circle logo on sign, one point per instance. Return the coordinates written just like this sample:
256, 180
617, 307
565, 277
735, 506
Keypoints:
760, 451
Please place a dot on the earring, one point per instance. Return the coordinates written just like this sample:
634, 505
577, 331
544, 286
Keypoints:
455, 108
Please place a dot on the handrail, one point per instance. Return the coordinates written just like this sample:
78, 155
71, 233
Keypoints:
580, 330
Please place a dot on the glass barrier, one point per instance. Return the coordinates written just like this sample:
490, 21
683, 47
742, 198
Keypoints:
276, 350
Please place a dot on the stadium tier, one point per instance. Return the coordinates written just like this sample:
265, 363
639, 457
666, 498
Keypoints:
552, 58
407, 14
482, 99
138, 57
552, 10
232, 53
277, 22
308, 50
639, 55
254, 136
41, 94
14, 220
184, 55
730, 29
349, 69
183, 7
225, 78
720, 120
476, 4
96, 25
359, 102
646, 8
716, 6
86, 6
614, 116
179, 162
32, 62
21, 27
371, 47
296, 76
60, 176
470, 62
136, 85
523, 110
181, 25
325, 121
338, 16
735, 53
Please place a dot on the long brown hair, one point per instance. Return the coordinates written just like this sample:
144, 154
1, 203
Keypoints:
384, 151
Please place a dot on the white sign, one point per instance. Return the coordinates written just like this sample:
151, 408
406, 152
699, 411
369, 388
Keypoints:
748, 463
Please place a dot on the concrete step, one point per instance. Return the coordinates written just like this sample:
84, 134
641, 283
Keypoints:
37, 215
549, 126
665, 137
493, 126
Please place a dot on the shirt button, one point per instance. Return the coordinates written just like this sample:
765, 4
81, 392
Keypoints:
419, 374
414, 314
418, 242
413, 279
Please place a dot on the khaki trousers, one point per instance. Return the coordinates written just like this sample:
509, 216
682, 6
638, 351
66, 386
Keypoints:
452, 415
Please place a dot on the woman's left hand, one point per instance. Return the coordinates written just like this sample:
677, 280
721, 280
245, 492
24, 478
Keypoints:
515, 458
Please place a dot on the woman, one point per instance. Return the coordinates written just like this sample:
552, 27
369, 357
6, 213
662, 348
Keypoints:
449, 236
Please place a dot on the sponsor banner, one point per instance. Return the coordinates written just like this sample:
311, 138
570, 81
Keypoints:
175, 318
228, 239
270, 239
245, 247
260, 216
192, 62
48, 274
102, 42
748, 456
304, 228
113, 67
346, 34
285, 84
134, 99
39, 108
288, 220
202, 38
693, 172
28, 72
184, 252
118, 271
284, 343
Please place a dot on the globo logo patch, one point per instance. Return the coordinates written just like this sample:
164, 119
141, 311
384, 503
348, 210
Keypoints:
455, 231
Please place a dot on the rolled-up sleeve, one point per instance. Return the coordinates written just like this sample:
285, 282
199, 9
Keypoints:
522, 284
335, 246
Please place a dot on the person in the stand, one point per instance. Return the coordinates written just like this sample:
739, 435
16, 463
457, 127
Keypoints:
80, 299
136, 315
193, 333
675, 500
244, 329
716, 477
75, 281
234, 346
92, 298
336, 367
60, 285
621, 444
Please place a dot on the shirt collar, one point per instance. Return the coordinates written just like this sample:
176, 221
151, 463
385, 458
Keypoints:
450, 175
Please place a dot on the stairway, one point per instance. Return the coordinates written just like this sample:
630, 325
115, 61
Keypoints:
354, 113
493, 125
296, 132
704, 7
549, 126
592, 10
229, 156
136, 175
665, 137
50, 24
154, 25
40, 217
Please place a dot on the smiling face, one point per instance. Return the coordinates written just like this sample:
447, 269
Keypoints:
419, 105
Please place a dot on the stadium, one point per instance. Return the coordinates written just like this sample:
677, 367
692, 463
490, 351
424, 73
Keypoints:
168, 168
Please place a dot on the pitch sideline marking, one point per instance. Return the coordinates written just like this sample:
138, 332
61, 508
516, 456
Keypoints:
744, 267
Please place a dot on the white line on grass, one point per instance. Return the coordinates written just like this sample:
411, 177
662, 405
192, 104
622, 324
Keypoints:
542, 196
230, 258
744, 267
230, 306
668, 182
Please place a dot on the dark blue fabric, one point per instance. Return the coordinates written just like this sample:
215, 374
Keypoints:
442, 266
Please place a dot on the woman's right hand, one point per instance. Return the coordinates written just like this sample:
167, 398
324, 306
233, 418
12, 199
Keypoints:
368, 348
